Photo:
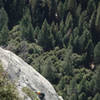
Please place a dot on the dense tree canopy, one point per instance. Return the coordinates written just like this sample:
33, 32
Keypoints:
60, 39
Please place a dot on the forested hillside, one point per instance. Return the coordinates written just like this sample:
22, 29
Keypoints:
60, 39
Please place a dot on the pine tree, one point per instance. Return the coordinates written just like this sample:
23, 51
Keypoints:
4, 35
1, 3
71, 5
73, 86
3, 18
97, 22
82, 19
78, 10
97, 96
3, 26
36, 33
15, 9
27, 29
60, 10
82, 86
48, 71
68, 22
65, 8
84, 39
89, 50
97, 53
91, 6
92, 21
67, 66
97, 79
52, 9
59, 39
82, 96
74, 40
73, 97
45, 38
38, 13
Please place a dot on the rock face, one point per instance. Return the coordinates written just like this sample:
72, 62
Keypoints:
25, 76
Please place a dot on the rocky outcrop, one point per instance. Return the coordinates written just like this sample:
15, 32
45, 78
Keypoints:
25, 76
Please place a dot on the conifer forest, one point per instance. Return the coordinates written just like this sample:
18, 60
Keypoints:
60, 39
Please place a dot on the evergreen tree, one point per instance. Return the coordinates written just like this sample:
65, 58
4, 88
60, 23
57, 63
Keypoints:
15, 9
97, 53
73, 87
69, 22
68, 28
92, 21
82, 86
97, 85
38, 13
26, 27
67, 66
78, 10
3, 26
72, 4
58, 41
36, 33
60, 10
52, 9
73, 97
97, 22
82, 96
91, 6
83, 40
48, 71
74, 40
89, 50
82, 19
3, 18
4, 35
97, 96
45, 38
65, 8
54, 30
1, 3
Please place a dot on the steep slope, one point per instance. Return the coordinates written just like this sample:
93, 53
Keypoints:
25, 76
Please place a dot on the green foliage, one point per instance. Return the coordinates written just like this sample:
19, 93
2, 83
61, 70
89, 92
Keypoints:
82, 96
3, 26
36, 9
73, 97
69, 22
39, 32
1, 3
72, 87
45, 38
8, 90
48, 71
72, 5
97, 53
67, 66
97, 96
91, 6
4, 35
78, 10
97, 22
60, 10
16, 11
97, 85
30, 93
83, 17
3, 18
26, 27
